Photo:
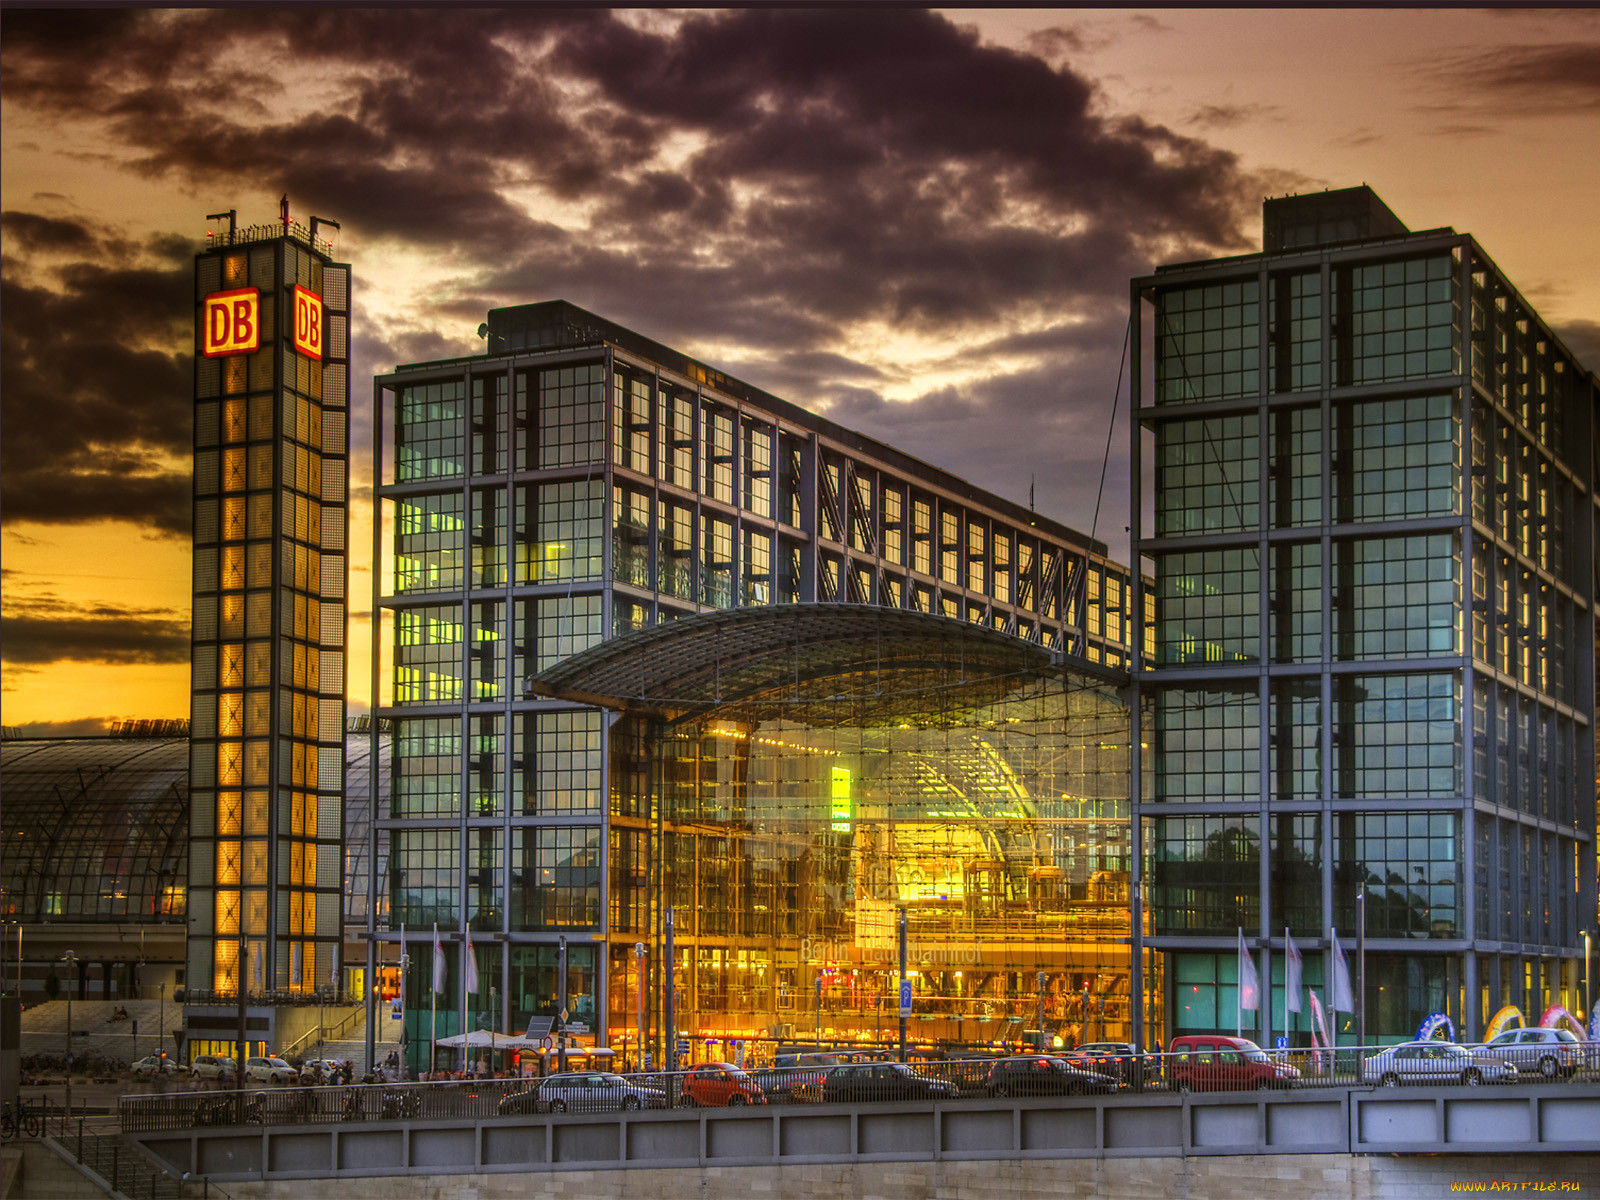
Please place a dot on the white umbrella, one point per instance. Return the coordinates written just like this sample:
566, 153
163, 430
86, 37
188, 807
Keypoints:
479, 1038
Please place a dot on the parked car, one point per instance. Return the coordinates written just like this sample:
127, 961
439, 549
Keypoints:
1123, 1061
1215, 1062
214, 1067
882, 1081
155, 1064
715, 1085
269, 1070
1546, 1052
1045, 1075
583, 1091
1434, 1062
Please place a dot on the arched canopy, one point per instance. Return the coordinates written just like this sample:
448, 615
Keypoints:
820, 663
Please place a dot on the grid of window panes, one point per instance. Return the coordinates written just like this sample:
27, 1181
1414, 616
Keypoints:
487, 538
1208, 342
566, 625
427, 543
570, 532
1409, 864
1397, 597
1207, 743
631, 424
1208, 606
1397, 320
1208, 476
1294, 351
425, 773
1295, 599
1294, 467
425, 877
1206, 875
1397, 735
555, 874
428, 654
428, 433
572, 413
1294, 738
1397, 460
560, 762
1295, 893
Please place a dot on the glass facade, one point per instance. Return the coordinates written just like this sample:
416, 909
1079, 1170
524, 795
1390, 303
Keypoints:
578, 484
1367, 673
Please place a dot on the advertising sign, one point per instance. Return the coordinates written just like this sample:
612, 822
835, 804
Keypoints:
231, 323
307, 323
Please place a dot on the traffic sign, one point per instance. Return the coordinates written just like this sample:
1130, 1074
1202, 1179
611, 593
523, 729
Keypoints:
683, 1045
905, 997
1282, 1043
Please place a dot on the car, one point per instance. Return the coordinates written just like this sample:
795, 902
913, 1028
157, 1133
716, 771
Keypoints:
1123, 1061
883, 1081
584, 1092
155, 1064
1219, 1062
1546, 1052
269, 1070
719, 1084
213, 1067
1434, 1062
1045, 1075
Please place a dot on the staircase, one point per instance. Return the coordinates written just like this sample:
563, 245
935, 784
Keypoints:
44, 1029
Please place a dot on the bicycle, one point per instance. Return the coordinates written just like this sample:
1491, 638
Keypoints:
20, 1118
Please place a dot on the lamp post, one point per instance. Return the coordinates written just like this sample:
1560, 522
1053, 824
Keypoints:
638, 958
1588, 996
70, 961
405, 962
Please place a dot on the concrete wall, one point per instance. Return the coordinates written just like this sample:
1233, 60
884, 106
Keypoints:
1267, 1177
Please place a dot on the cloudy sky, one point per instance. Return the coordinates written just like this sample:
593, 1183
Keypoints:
920, 222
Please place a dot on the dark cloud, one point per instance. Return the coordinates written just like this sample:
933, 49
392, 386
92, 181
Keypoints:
1226, 116
95, 376
1539, 80
45, 630
1583, 339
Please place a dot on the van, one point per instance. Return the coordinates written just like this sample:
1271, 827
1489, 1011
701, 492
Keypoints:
1216, 1062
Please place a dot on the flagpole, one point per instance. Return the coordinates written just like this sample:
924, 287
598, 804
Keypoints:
1238, 992
433, 1003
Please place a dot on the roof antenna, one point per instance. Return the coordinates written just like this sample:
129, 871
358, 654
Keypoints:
1030, 491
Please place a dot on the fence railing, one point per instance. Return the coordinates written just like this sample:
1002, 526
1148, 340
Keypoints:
827, 1078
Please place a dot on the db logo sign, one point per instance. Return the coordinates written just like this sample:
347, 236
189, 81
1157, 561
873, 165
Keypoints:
307, 323
232, 323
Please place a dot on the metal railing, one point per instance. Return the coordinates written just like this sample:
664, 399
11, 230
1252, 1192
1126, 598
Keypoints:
869, 1081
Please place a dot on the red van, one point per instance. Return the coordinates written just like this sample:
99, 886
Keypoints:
1215, 1062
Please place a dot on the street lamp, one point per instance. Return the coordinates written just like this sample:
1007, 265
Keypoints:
638, 956
405, 962
70, 961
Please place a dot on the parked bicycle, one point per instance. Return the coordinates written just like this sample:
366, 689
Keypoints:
21, 1120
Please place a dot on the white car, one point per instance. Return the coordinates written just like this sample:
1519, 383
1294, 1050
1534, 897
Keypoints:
269, 1070
320, 1069
155, 1064
213, 1066
1434, 1062
1546, 1052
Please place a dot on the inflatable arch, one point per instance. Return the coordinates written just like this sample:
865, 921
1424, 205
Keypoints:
1556, 1015
1436, 1022
1502, 1021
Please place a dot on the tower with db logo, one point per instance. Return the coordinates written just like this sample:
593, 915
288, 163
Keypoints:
271, 533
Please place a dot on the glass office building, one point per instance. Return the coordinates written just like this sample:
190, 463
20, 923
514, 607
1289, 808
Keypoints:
579, 488
1367, 687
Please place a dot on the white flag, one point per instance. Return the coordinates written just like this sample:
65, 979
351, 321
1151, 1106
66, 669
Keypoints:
1340, 997
1249, 981
1292, 973
440, 968
470, 966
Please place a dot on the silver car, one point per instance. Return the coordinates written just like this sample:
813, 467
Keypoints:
583, 1092
1434, 1062
1546, 1052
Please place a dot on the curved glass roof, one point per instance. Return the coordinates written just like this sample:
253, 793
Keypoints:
97, 829
817, 663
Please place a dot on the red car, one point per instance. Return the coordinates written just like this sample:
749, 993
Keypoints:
719, 1085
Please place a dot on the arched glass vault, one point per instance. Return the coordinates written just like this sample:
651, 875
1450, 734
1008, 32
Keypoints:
786, 781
